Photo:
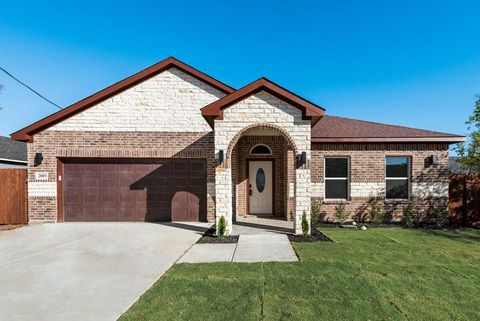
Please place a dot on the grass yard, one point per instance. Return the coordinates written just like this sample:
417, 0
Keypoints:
378, 274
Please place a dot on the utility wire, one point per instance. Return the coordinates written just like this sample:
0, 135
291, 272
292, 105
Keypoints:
30, 88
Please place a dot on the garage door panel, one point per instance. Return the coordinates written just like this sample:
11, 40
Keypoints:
134, 190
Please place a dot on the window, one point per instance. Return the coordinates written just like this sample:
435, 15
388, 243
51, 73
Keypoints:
397, 175
260, 149
336, 178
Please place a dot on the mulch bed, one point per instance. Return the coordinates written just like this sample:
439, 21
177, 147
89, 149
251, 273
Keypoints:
210, 237
316, 236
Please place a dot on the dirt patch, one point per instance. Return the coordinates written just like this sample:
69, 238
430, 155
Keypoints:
316, 236
8, 227
211, 237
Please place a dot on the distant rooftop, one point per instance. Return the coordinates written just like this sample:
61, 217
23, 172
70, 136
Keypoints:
12, 150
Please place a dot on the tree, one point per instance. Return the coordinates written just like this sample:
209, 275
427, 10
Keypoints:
469, 151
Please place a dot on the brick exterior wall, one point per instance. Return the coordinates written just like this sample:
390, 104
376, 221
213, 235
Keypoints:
71, 144
241, 156
429, 183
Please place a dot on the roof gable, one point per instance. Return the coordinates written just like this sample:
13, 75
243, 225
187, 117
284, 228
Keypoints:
26, 133
309, 110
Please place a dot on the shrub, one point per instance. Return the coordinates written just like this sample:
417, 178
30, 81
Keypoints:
222, 226
304, 223
341, 213
317, 215
411, 217
437, 216
376, 212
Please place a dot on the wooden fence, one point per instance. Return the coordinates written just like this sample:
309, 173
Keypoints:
13, 196
464, 200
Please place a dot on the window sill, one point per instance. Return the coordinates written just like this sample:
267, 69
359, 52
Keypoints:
335, 202
396, 201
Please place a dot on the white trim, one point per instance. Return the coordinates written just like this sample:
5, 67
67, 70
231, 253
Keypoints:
336, 178
250, 152
13, 160
408, 178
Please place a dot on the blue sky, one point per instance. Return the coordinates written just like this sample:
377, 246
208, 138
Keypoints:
412, 63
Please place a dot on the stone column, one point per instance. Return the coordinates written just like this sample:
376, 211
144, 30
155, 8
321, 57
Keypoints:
223, 192
302, 198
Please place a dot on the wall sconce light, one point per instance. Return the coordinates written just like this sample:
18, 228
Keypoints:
431, 160
38, 159
302, 159
220, 156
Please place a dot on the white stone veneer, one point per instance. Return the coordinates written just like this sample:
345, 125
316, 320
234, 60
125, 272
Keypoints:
168, 102
42, 189
262, 108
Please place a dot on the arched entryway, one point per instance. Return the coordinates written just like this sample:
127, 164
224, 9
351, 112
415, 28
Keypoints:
262, 161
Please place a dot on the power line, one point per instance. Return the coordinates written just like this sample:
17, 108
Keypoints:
30, 88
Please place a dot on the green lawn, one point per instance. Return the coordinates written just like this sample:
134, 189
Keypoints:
378, 274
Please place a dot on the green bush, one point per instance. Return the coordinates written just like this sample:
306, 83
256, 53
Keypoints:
222, 226
341, 213
305, 226
411, 217
317, 215
376, 212
437, 216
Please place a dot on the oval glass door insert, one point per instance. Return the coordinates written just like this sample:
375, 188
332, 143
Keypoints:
260, 180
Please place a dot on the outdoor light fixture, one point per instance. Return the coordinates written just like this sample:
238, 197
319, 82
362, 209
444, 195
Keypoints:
220, 156
431, 160
38, 159
302, 159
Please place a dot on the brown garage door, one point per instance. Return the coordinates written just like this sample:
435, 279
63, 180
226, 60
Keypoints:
134, 190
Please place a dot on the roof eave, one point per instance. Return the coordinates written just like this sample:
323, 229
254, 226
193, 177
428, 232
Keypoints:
449, 139
25, 134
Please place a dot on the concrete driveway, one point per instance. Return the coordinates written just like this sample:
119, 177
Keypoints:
85, 271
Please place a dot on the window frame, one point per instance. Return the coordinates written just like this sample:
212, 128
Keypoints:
261, 154
325, 178
408, 178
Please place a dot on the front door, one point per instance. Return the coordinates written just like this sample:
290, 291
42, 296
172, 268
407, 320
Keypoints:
260, 187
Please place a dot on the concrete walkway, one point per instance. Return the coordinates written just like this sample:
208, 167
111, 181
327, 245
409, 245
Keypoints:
249, 249
85, 271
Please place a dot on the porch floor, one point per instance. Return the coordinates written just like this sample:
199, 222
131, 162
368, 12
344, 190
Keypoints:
252, 225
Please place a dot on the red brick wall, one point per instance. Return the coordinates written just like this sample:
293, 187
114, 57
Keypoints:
54, 144
240, 159
367, 164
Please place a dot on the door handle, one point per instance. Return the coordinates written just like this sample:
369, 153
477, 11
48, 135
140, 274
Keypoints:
250, 191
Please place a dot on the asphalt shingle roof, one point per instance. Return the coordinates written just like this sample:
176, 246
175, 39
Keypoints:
340, 127
14, 150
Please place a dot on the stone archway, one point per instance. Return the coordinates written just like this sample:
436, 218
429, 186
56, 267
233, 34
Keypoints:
278, 200
242, 132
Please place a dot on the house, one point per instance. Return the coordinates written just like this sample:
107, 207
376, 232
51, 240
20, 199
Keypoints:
13, 154
172, 143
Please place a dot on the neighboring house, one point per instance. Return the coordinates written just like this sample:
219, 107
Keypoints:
456, 167
172, 143
13, 154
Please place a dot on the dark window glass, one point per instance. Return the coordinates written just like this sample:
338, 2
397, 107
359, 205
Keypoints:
336, 189
397, 166
397, 188
260, 149
336, 167
260, 180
